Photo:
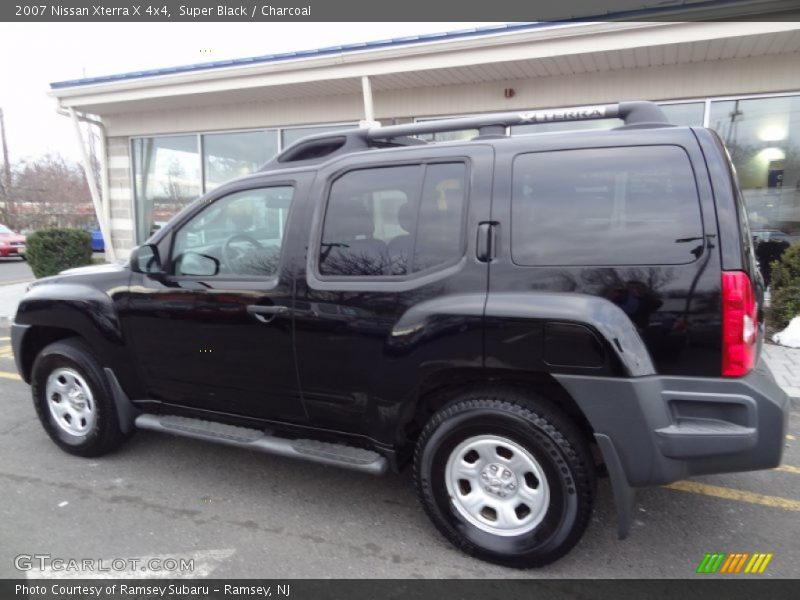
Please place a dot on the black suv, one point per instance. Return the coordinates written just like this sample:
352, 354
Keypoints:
512, 315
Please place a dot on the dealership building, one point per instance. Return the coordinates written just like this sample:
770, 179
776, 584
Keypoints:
169, 135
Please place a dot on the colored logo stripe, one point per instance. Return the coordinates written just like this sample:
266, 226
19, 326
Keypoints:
722, 562
734, 563
711, 562
758, 563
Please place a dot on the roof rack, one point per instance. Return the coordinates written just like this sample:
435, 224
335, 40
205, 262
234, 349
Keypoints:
640, 114
634, 114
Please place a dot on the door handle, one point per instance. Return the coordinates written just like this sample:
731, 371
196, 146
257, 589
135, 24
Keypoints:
265, 314
485, 246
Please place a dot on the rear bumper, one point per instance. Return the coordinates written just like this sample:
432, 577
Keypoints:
665, 428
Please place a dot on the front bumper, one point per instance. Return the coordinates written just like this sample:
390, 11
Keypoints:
666, 428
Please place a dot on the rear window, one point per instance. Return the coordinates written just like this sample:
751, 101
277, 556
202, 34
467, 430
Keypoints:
605, 206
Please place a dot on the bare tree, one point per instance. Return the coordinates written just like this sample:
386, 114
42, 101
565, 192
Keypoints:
50, 191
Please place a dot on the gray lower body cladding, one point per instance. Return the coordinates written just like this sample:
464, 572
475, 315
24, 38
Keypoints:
17, 334
665, 428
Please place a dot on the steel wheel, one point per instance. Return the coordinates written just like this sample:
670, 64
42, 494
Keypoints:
497, 485
505, 476
71, 402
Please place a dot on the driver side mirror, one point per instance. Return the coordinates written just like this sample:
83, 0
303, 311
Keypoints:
145, 259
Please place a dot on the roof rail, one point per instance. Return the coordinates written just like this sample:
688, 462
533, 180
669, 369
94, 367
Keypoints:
634, 114
319, 147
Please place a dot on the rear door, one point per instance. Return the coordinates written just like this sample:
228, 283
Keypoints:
626, 216
392, 293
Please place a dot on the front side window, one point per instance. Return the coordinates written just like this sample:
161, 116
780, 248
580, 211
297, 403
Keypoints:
393, 221
605, 206
238, 235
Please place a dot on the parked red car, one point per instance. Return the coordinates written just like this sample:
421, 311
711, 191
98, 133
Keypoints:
11, 244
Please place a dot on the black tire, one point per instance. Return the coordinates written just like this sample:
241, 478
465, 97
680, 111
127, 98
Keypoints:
540, 429
104, 435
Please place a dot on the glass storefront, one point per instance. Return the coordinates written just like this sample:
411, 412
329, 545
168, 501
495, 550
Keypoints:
229, 155
166, 177
171, 171
762, 135
763, 138
689, 114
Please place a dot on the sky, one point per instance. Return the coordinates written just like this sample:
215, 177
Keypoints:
32, 55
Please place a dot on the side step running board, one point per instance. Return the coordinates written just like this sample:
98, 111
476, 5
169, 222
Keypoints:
326, 453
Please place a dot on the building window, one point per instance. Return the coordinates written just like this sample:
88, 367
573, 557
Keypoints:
166, 178
166, 170
229, 155
762, 136
685, 113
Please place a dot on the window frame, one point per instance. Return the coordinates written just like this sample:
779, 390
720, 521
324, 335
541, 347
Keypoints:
431, 273
515, 260
205, 204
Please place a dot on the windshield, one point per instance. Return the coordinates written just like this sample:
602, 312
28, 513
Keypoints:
4, 229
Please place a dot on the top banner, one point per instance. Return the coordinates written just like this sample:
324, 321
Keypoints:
407, 10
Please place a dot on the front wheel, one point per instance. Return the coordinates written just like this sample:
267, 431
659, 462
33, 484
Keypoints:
506, 477
73, 399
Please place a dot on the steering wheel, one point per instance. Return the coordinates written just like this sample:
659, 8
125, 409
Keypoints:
232, 256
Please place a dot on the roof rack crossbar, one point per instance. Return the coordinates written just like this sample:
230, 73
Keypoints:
323, 146
638, 113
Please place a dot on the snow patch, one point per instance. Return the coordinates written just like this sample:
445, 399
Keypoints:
790, 336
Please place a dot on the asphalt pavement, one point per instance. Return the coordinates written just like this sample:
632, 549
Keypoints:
14, 270
242, 514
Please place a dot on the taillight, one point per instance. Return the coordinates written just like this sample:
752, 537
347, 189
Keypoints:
739, 326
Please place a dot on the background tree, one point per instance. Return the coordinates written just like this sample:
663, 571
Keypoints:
50, 191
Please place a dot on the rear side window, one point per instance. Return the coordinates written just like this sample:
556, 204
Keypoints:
605, 206
393, 221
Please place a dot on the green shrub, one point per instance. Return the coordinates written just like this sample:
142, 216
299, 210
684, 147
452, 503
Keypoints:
50, 251
785, 298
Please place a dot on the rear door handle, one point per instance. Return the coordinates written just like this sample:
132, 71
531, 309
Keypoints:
485, 247
265, 314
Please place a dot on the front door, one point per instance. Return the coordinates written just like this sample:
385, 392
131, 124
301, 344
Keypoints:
216, 333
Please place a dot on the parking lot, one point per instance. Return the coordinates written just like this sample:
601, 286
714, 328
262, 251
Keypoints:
242, 514
14, 270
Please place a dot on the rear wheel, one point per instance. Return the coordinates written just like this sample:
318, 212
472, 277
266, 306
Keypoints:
73, 399
506, 477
